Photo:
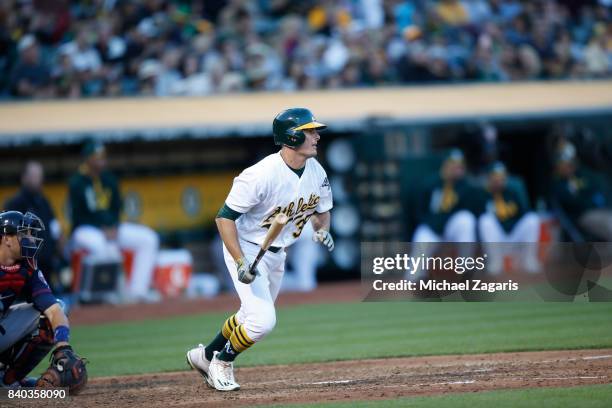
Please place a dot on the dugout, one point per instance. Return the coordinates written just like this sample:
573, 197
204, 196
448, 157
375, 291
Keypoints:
177, 157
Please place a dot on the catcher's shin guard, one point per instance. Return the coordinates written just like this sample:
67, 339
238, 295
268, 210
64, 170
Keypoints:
24, 356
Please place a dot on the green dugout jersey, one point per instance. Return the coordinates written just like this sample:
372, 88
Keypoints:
94, 200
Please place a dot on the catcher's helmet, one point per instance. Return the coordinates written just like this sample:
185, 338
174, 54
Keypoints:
288, 126
27, 227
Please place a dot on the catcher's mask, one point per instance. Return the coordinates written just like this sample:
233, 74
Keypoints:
28, 228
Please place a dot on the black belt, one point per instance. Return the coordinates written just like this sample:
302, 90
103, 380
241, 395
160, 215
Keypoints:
272, 249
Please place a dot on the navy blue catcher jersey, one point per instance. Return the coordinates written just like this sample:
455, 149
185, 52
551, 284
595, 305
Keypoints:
21, 281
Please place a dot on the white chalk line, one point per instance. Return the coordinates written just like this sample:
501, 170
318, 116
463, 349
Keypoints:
448, 383
576, 358
333, 382
597, 357
600, 357
568, 378
392, 385
464, 382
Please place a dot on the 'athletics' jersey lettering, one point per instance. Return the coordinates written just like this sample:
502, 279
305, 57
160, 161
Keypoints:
299, 217
269, 188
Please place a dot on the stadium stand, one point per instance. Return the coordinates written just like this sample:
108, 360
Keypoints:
65, 49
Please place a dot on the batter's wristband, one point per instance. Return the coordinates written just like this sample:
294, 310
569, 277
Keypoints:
62, 333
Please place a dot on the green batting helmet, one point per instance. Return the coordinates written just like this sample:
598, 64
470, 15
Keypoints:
288, 126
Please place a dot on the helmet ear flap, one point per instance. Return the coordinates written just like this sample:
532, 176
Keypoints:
294, 138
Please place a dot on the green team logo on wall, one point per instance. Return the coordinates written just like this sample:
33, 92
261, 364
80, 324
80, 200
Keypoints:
191, 201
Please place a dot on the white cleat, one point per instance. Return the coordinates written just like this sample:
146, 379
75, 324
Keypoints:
222, 374
196, 358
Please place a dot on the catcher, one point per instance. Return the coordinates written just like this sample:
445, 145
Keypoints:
32, 321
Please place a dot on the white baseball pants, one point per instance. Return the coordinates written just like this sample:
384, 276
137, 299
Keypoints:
461, 227
140, 239
257, 312
526, 232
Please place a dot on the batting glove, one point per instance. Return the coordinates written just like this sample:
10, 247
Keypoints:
244, 271
325, 238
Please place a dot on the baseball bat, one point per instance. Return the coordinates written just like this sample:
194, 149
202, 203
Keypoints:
275, 228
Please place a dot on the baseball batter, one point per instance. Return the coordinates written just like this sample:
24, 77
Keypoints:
291, 182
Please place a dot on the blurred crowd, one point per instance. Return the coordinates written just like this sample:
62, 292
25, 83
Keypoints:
72, 49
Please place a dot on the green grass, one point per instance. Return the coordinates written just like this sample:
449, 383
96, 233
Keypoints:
351, 331
594, 396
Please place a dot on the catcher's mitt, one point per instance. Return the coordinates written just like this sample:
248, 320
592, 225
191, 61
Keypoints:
66, 370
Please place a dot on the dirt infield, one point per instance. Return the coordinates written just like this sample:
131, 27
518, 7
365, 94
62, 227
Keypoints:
356, 380
325, 293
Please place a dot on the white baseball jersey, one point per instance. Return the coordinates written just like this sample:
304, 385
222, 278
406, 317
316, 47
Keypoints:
269, 188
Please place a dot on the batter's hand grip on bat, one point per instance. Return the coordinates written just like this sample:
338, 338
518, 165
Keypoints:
275, 228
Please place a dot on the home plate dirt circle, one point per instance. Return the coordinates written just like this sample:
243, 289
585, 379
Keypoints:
356, 380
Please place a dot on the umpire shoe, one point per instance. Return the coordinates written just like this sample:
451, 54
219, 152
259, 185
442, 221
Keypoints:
222, 374
196, 358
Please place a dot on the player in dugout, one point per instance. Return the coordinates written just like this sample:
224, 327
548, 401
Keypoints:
32, 321
31, 198
95, 203
507, 218
582, 196
444, 205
